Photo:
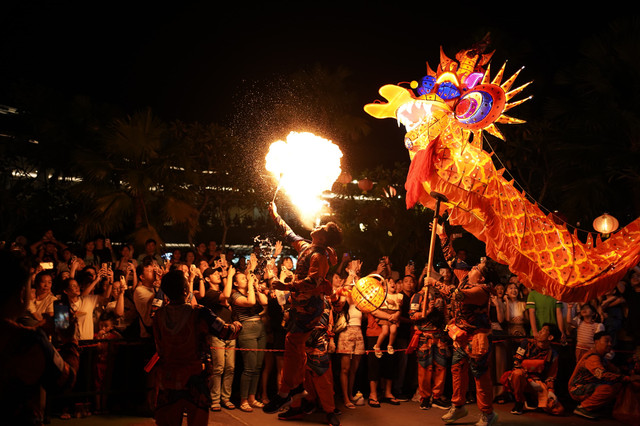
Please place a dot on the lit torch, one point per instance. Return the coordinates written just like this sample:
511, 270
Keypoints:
305, 165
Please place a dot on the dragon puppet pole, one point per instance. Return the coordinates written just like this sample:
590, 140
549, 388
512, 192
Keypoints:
439, 198
275, 194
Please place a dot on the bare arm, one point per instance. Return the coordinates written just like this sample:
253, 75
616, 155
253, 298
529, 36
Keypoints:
560, 320
499, 308
532, 321
119, 310
226, 292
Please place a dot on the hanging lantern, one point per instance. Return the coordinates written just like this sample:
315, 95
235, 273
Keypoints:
369, 293
365, 184
605, 224
344, 178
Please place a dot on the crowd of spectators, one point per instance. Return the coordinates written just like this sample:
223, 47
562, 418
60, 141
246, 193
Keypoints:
398, 353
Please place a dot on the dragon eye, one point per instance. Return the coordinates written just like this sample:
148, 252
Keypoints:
473, 107
481, 107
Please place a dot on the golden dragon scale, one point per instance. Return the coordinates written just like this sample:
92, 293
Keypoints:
444, 115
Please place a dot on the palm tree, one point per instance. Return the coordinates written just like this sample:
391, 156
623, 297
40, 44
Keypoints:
132, 181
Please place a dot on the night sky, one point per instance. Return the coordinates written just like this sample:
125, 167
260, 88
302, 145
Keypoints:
194, 61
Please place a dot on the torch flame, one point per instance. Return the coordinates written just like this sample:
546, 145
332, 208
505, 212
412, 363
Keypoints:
306, 166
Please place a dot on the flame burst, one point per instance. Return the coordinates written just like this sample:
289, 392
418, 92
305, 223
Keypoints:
306, 166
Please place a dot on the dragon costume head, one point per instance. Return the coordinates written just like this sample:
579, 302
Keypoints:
444, 114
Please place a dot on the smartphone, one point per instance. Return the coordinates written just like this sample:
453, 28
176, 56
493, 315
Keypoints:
46, 265
61, 316
167, 256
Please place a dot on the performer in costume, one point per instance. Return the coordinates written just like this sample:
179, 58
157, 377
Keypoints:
180, 331
535, 367
596, 381
307, 301
318, 379
433, 350
470, 329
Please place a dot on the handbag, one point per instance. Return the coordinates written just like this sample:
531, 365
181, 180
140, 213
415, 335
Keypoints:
340, 323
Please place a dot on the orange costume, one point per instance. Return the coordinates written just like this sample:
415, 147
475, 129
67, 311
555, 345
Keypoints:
535, 369
594, 382
445, 114
307, 305
433, 346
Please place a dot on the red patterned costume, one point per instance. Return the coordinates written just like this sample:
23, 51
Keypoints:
433, 345
535, 370
308, 288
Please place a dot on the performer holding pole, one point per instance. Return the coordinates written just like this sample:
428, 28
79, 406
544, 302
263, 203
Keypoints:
307, 301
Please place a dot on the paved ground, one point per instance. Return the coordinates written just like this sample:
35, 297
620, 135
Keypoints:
406, 414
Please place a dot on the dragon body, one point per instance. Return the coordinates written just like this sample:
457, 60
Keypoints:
444, 115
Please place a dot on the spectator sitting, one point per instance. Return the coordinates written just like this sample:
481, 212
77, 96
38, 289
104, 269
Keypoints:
595, 381
535, 368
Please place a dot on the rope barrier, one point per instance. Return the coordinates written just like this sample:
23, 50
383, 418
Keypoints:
95, 343
282, 350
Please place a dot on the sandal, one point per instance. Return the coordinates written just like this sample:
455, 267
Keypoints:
374, 403
377, 351
257, 404
246, 407
390, 400
390, 350
349, 405
228, 405
216, 407
65, 416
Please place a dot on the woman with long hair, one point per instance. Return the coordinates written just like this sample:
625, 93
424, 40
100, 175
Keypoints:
247, 301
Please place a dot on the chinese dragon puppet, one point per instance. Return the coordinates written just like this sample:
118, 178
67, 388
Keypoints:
444, 115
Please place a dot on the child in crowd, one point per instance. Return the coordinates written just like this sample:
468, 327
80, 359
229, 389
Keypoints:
104, 362
586, 326
391, 305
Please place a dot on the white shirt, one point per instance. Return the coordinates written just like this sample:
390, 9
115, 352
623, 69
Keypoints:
83, 308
